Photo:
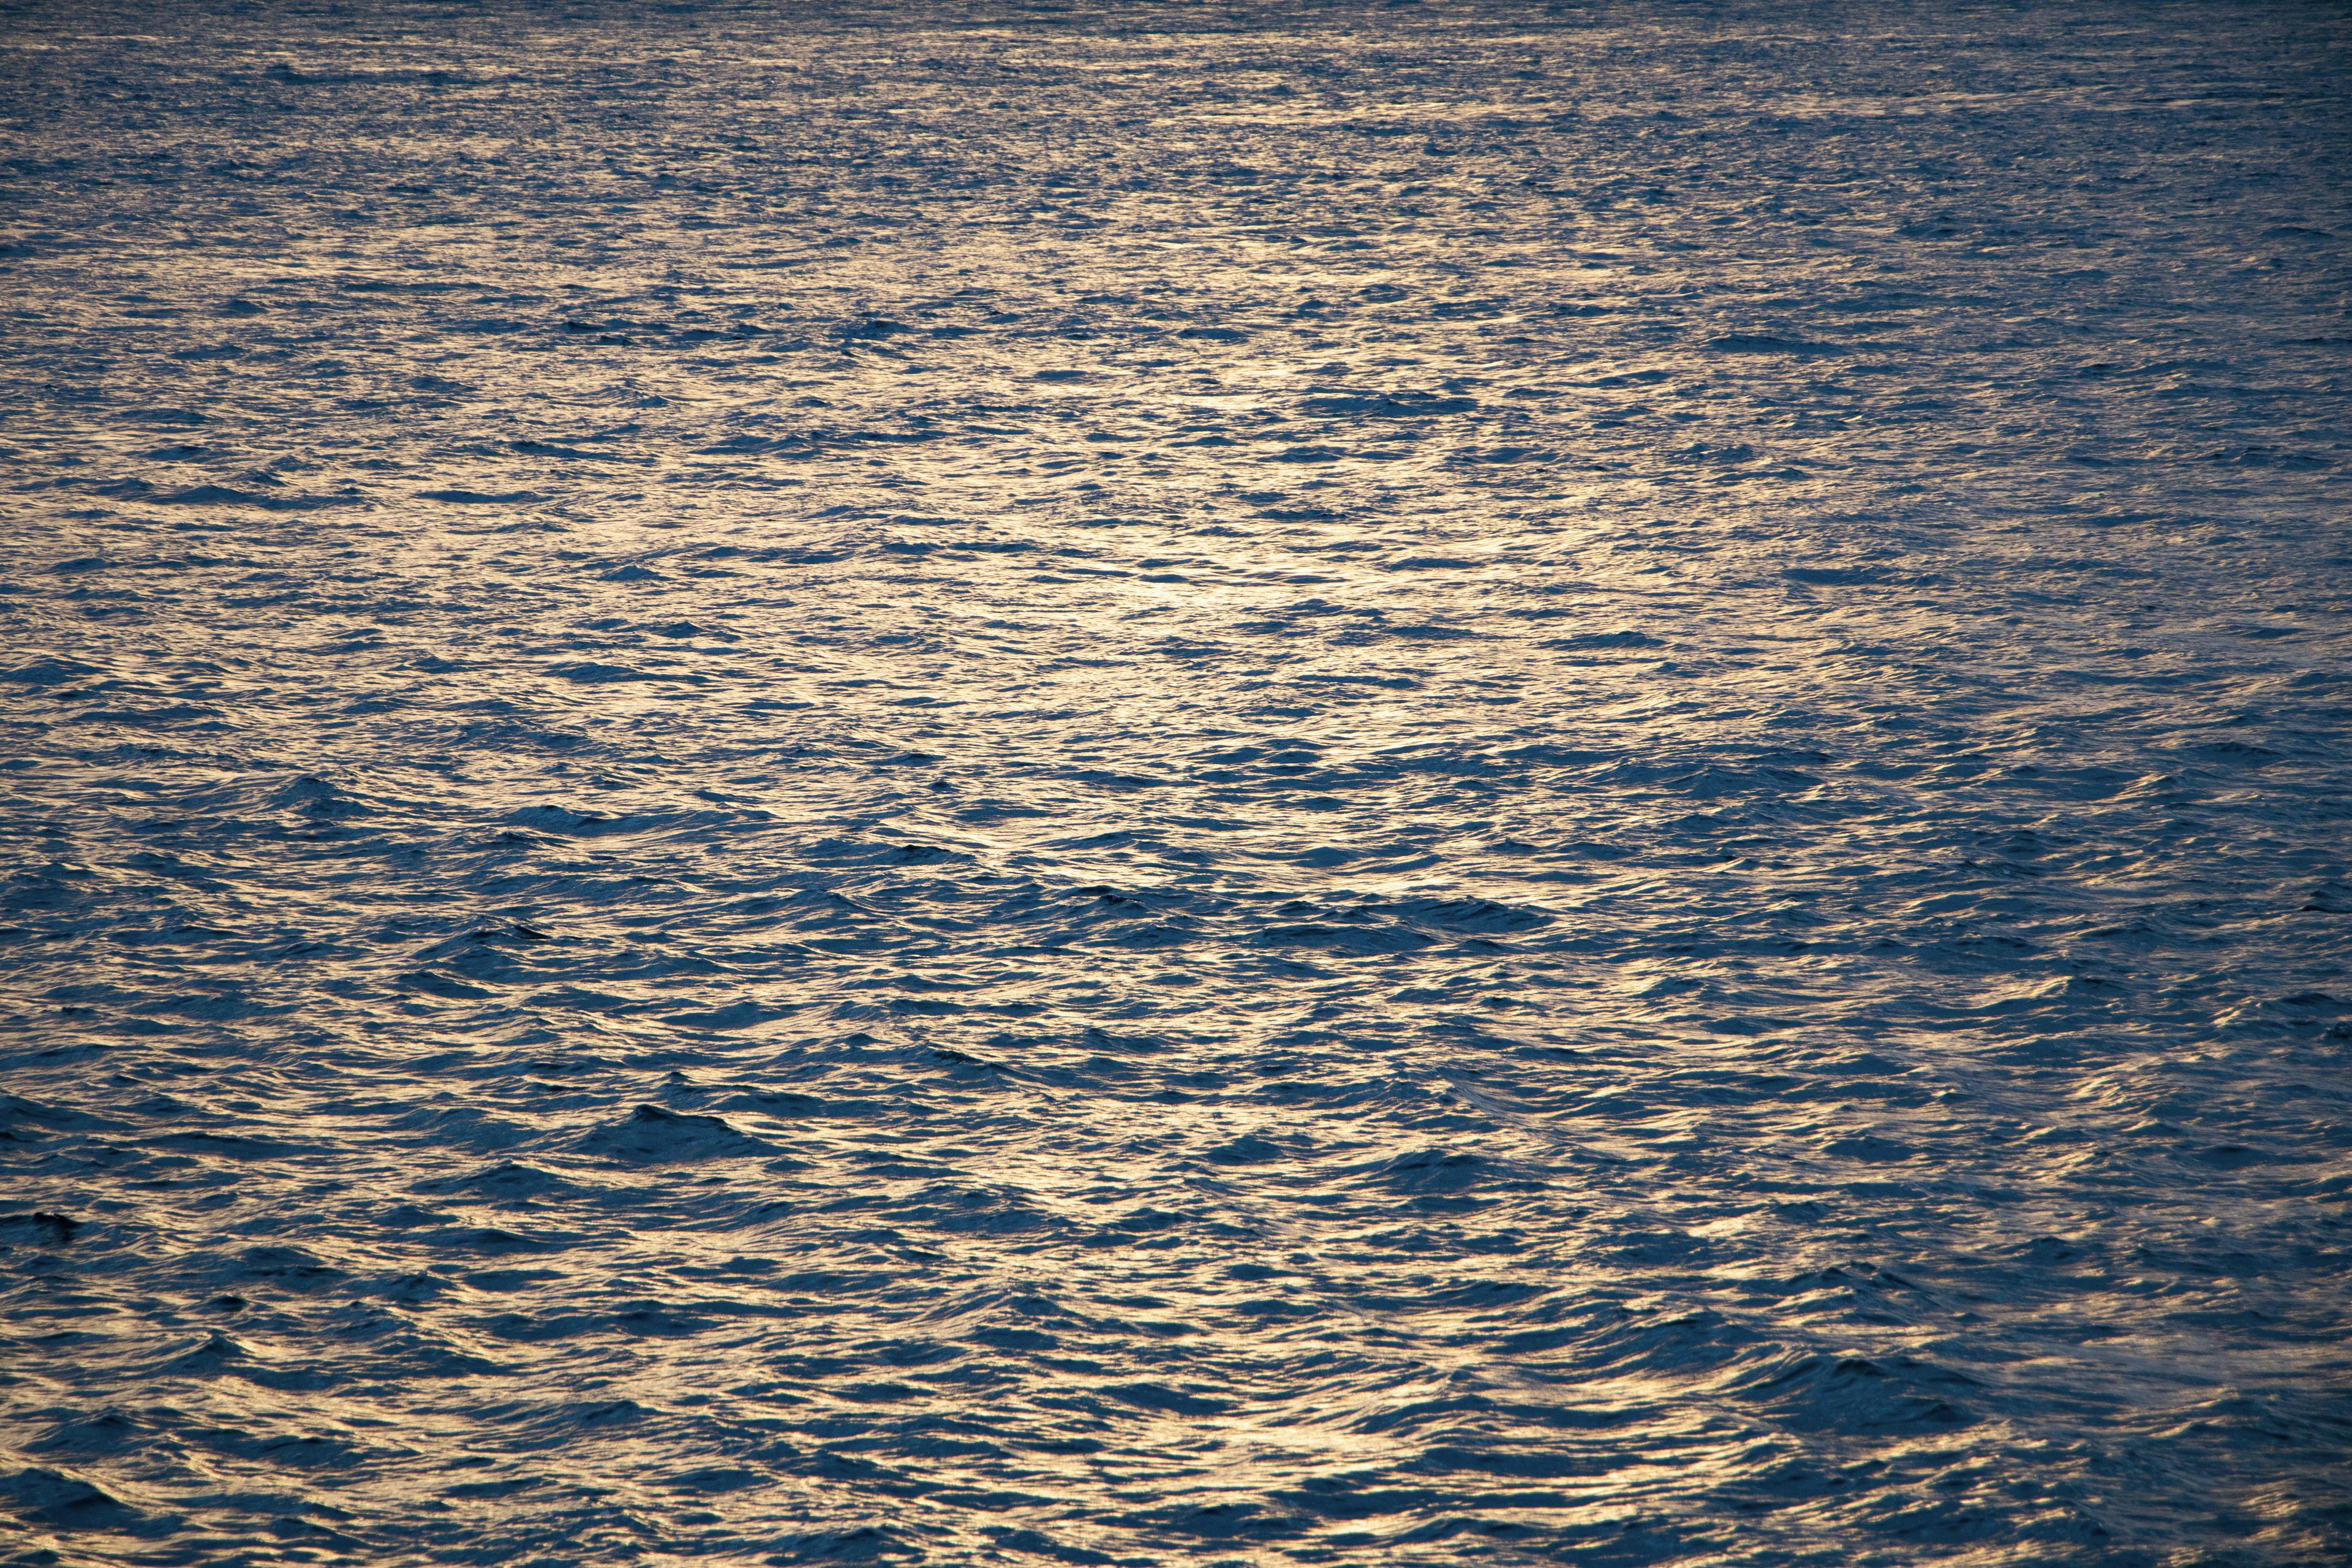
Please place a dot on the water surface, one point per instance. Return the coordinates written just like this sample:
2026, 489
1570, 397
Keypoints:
1175, 783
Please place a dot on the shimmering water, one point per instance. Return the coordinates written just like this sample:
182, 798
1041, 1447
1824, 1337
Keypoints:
1176, 785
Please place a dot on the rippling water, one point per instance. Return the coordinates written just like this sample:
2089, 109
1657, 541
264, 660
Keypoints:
1176, 783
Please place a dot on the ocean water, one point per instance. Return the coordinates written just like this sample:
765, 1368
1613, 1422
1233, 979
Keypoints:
1175, 783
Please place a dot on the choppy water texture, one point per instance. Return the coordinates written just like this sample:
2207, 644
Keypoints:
1170, 784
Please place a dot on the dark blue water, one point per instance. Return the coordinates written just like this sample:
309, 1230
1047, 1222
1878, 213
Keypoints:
1175, 784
